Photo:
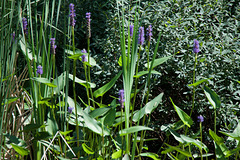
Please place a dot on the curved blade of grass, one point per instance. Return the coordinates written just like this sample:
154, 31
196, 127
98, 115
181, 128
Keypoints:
101, 91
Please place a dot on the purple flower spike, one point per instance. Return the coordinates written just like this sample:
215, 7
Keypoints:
70, 109
200, 118
53, 46
131, 30
39, 70
88, 17
84, 51
25, 29
149, 33
141, 36
84, 58
121, 97
72, 15
195, 46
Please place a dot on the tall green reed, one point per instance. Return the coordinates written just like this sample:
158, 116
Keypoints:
8, 56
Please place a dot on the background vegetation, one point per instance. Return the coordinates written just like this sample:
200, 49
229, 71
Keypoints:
35, 118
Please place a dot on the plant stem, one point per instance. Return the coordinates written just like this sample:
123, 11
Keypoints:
193, 97
89, 77
74, 91
201, 139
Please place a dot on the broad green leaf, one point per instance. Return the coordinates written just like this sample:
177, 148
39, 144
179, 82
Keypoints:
82, 82
110, 117
148, 108
194, 142
117, 154
59, 82
232, 152
99, 112
20, 150
44, 81
92, 124
183, 116
133, 130
186, 153
87, 149
101, 91
29, 52
42, 135
75, 56
158, 61
212, 97
199, 82
235, 134
52, 126
150, 155
219, 146
126, 157
219, 153
65, 133
32, 127
10, 100
176, 136
146, 72
13, 139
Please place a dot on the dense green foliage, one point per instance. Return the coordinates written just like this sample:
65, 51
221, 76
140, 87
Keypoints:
71, 108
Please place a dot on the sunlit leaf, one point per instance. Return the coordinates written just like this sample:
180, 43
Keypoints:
183, 116
212, 97
101, 91
87, 149
148, 108
133, 130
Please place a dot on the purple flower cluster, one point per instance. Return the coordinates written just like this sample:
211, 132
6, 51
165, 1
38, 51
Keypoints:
200, 118
84, 51
195, 46
24, 22
88, 17
70, 109
84, 58
53, 46
141, 36
121, 97
72, 15
149, 33
131, 30
39, 70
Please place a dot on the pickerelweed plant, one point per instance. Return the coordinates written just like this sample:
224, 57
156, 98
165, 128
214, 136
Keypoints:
43, 114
